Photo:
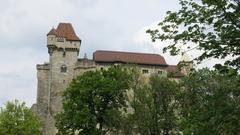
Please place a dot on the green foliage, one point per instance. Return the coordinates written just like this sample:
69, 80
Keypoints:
94, 102
211, 103
212, 25
155, 108
205, 102
17, 119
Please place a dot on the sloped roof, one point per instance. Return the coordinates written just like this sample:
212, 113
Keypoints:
52, 32
174, 71
129, 57
65, 30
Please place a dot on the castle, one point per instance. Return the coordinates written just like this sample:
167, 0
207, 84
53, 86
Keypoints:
63, 49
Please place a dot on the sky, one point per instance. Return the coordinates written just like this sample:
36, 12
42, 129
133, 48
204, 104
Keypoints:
117, 25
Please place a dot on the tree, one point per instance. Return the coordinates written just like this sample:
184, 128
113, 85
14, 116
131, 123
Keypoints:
210, 102
17, 119
212, 26
204, 102
155, 107
94, 102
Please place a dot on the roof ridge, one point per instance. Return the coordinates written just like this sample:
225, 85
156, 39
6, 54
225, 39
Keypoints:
52, 32
128, 52
65, 30
129, 57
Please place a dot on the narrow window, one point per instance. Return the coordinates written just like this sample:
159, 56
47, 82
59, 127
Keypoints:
63, 68
145, 71
64, 53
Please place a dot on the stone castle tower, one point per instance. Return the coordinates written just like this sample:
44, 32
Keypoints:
185, 63
53, 77
63, 48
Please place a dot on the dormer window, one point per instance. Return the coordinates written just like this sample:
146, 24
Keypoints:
63, 68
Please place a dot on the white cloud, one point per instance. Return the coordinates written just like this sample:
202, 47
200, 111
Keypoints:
143, 39
18, 75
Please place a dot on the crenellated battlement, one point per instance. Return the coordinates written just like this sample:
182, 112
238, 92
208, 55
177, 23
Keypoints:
54, 42
45, 66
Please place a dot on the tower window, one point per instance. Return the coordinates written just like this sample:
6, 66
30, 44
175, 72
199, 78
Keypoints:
63, 68
145, 71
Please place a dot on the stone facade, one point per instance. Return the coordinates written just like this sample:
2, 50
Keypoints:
53, 77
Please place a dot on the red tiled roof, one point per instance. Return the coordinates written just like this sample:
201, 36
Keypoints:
52, 32
65, 30
174, 71
129, 57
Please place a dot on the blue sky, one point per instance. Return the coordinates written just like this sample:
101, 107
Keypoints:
101, 24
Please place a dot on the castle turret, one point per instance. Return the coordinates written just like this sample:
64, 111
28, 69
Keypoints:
186, 64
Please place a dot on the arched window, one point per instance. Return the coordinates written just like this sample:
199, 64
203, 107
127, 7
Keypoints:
63, 68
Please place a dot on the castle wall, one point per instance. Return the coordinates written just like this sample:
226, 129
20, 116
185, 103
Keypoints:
60, 81
43, 86
80, 70
83, 65
43, 83
151, 69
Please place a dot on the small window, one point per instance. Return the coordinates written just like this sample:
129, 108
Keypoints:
160, 72
145, 71
63, 68
60, 39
